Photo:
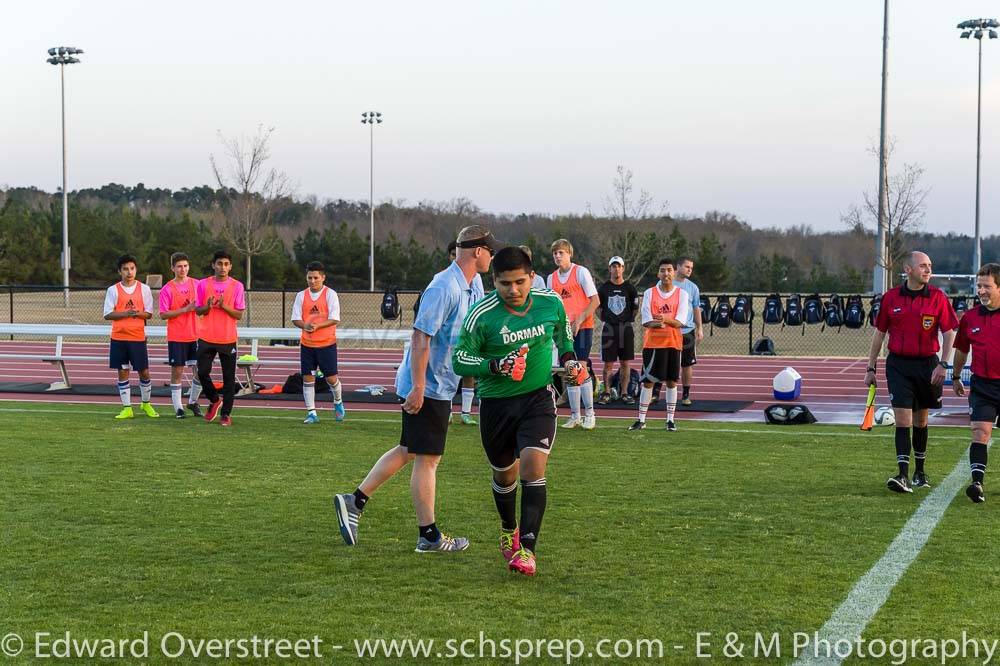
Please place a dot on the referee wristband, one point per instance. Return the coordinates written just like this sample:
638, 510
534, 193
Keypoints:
956, 378
946, 366
871, 368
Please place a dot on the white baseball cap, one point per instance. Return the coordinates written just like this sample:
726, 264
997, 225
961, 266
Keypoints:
616, 260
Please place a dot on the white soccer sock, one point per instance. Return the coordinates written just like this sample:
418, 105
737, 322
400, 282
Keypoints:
467, 395
125, 393
309, 395
338, 395
671, 402
574, 401
587, 393
175, 396
146, 389
195, 391
645, 395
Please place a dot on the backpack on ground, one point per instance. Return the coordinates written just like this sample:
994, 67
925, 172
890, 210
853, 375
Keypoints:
722, 315
793, 310
788, 415
833, 312
632, 387
390, 309
854, 312
763, 347
742, 309
873, 308
812, 309
774, 313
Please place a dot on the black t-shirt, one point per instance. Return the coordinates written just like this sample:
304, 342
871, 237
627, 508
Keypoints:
619, 302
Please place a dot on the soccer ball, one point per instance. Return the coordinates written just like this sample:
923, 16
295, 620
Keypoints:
884, 416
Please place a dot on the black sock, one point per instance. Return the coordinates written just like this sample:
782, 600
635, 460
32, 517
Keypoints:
977, 461
506, 500
532, 510
903, 449
430, 532
360, 499
686, 393
919, 446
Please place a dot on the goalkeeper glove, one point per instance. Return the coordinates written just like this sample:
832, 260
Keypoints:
512, 365
576, 373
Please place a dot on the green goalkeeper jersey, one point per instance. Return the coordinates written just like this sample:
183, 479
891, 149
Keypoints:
492, 330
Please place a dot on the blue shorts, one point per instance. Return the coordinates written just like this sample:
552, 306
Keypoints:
124, 354
324, 358
182, 353
582, 343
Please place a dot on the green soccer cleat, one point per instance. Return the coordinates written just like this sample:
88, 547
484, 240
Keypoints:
148, 410
126, 413
468, 420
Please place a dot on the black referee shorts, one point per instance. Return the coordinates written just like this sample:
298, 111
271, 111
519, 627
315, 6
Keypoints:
909, 380
617, 342
426, 431
984, 399
510, 425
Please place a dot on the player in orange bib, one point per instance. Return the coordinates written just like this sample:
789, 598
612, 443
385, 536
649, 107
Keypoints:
665, 308
221, 301
579, 295
177, 304
127, 305
316, 311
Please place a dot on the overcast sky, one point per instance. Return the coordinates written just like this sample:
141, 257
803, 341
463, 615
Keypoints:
764, 109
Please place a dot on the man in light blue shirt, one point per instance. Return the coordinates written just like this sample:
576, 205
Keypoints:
426, 384
691, 331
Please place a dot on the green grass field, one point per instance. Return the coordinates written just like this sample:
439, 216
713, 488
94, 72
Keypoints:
110, 529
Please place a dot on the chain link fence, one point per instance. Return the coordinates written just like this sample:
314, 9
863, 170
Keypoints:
361, 309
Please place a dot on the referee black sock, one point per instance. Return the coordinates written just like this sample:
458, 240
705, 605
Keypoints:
977, 461
919, 446
430, 532
903, 449
687, 393
360, 499
532, 510
506, 501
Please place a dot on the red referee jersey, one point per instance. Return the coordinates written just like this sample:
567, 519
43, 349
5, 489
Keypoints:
913, 318
980, 332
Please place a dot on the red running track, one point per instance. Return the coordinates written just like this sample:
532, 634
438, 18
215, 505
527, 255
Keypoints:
831, 387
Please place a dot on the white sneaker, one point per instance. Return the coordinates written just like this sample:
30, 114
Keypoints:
589, 422
572, 422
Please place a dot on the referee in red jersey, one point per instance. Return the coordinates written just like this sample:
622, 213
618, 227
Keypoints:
979, 331
912, 315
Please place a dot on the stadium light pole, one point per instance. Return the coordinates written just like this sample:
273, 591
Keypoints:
880, 277
371, 118
62, 56
975, 28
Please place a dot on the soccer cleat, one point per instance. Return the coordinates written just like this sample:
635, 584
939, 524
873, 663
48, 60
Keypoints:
213, 410
348, 515
126, 413
180, 414
899, 484
468, 420
975, 492
589, 422
148, 410
523, 562
339, 413
604, 398
686, 402
628, 400
638, 425
572, 422
671, 426
445, 544
195, 408
311, 418
510, 543
226, 421
920, 480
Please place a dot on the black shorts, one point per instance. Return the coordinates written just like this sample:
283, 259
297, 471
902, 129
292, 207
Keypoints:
426, 431
125, 353
909, 380
324, 358
180, 354
510, 425
984, 399
661, 364
617, 342
688, 357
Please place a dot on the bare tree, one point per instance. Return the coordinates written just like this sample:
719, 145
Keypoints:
641, 251
904, 215
622, 205
255, 193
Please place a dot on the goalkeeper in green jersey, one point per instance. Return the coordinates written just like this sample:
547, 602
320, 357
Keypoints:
506, 341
